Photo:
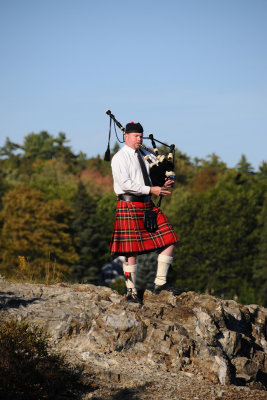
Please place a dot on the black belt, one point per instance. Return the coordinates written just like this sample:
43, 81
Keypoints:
130, 197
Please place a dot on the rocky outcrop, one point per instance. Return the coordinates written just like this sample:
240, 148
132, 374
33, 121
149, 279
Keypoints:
195, 334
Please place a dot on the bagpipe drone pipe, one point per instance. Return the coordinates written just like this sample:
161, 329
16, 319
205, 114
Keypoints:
161, 166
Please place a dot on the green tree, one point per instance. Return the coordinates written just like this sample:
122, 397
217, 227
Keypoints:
4, 187
92, 228
44, 146
10, 161
213, 161
85, 233
260, 267
33, 153
105, 215
51, 177
244, 166
183, 168
8, 149
36, 230
262, 174
218, 242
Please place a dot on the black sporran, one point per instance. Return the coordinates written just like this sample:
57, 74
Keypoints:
150, 221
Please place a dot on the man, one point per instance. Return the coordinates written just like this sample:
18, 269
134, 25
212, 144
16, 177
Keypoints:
134, 189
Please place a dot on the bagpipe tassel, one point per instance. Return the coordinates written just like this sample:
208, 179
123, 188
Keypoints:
107, 154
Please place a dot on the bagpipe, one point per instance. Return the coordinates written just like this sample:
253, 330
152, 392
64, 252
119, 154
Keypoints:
161, 166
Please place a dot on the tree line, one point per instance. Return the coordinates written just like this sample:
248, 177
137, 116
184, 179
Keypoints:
57, 212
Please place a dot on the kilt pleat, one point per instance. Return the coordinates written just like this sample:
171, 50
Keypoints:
129, 234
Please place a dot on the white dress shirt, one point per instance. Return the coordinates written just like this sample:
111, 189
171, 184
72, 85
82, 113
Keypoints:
127, 173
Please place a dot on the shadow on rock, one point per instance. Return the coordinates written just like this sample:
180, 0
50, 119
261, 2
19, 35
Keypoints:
16, 302
125, 394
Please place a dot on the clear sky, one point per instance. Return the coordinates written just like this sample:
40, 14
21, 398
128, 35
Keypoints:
193, 72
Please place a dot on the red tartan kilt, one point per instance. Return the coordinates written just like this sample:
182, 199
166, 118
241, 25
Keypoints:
129, 234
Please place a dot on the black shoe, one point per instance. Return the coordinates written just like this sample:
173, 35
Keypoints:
132, 296
159, 288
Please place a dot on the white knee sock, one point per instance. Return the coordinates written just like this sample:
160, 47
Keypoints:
163, 266
130, 276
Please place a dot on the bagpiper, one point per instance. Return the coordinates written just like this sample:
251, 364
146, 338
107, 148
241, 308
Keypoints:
140, 227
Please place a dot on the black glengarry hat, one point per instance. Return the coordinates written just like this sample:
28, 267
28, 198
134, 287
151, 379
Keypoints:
132, 127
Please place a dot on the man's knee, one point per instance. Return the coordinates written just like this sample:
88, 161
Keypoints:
131, 260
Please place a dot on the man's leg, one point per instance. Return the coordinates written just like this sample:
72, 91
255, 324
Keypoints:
129, 269
165, 259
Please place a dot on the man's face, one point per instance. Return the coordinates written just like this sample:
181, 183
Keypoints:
133, 140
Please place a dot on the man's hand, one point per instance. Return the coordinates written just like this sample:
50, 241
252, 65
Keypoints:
159, 191
169, 183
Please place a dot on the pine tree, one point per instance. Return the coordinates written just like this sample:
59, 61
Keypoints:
244, 166
217, 232
105, 216
260, 267
92, 229
85, 233
262, 174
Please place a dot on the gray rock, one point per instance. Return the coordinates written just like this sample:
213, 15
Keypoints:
195, 334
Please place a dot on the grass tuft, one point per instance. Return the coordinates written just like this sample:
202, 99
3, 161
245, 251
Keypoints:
29, 369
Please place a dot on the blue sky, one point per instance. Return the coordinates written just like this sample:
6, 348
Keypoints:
193, 72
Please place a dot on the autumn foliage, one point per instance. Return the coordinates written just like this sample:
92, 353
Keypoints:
57, 211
